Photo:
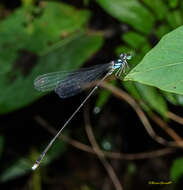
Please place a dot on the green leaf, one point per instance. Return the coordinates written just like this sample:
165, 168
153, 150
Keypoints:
144, 49
130, 12
173, 3
179, 99
170, 97
36, 181
140, 92
174, 18
55, 24
103, 97
162, 30
21, 92
18, 168
134, 39
23, 166
18, 31
158, 6
176, 170
125, 49
27, 3
47, 43
162, 67
131, 88
56, 150
154, 99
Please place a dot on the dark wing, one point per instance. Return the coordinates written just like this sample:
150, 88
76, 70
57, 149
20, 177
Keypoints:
68, 84
74, 84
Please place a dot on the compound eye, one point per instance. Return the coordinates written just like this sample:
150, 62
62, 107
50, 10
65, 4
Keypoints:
122, 55
128, 57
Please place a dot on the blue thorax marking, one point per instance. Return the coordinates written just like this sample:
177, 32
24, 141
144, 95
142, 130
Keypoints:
118, 63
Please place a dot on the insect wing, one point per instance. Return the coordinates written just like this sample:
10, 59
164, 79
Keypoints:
68, 84
74, 84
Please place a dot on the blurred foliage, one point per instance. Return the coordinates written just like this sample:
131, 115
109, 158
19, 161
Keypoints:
131, 12
23, 166
28, 38
50, 36
18, 168
176, 171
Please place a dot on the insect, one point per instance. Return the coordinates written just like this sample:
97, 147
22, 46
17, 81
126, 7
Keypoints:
67, 84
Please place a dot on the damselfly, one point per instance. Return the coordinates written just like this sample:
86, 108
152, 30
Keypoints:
67, 84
